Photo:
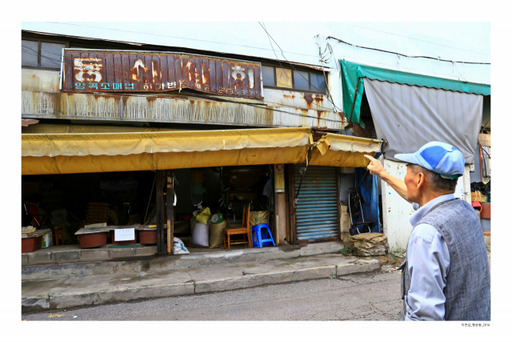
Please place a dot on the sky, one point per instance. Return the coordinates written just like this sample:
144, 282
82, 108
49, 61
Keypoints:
300, 41
453, 40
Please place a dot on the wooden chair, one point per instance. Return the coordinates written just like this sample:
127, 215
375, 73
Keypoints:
58, 234
244, 231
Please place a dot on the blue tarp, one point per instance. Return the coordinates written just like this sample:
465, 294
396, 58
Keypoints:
369, 190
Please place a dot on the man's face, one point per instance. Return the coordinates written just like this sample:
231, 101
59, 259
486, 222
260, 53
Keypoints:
411, 183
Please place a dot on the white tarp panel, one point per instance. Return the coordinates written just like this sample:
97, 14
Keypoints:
410, 116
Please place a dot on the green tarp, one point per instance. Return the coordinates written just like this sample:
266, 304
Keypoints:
352, 73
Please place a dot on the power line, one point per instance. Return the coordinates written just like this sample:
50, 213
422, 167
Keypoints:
152, 34
270, 38
329, 96
403, 55
322, 61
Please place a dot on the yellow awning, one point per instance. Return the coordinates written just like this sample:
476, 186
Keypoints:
56, 153
343, 151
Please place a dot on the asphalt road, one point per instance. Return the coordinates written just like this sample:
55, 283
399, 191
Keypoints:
358, 297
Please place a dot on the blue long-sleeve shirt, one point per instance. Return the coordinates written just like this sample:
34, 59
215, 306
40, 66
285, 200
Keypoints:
428, 262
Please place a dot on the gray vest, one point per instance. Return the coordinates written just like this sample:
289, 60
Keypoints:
467, 291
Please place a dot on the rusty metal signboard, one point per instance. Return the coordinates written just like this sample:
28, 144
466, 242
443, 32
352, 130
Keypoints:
87, 71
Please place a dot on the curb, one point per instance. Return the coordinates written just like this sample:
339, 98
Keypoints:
169, 284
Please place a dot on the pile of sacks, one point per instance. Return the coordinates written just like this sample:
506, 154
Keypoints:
207, 230
369, 244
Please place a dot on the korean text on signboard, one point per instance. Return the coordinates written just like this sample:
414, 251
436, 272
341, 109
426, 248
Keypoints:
136, 71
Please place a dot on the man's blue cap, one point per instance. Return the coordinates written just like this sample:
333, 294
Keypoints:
438, 157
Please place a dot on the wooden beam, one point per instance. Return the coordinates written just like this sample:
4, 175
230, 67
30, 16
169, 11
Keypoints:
292, 232
160, 212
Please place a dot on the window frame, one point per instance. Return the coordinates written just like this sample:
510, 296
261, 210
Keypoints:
39, 44
300, 70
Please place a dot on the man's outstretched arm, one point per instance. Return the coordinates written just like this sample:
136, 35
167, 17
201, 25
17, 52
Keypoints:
376, 168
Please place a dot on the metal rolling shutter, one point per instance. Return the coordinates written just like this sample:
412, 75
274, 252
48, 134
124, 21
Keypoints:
316, 215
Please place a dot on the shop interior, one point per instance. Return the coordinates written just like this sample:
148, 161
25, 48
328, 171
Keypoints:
72, 201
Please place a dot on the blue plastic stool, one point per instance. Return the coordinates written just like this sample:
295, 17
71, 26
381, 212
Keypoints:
261, 236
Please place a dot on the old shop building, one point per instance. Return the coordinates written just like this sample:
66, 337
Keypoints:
141, 138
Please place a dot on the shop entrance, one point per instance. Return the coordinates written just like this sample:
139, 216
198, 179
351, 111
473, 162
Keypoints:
71, 201
221, 192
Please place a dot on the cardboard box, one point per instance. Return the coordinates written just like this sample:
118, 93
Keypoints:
476, 196
47, 240
486, 211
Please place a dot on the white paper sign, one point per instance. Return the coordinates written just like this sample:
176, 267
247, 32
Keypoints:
125, 234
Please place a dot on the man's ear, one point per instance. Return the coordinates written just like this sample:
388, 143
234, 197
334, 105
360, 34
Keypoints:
421, 179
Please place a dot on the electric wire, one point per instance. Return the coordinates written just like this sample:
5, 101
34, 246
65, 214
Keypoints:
329, 95
271, 39
322, 61
404, 55
81, 25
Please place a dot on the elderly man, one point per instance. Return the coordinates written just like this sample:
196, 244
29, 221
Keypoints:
445, 275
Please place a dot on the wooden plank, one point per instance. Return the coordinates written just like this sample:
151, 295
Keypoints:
92, 230
170, 212
37, 233
276, 240
292, 234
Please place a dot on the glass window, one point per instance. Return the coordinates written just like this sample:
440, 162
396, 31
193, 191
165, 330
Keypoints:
317, 82
51, 55
268, 76
29, 50
284, 78
300, 80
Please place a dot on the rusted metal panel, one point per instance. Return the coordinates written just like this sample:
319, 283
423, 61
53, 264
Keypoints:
175, 108
87, 71
41, 98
